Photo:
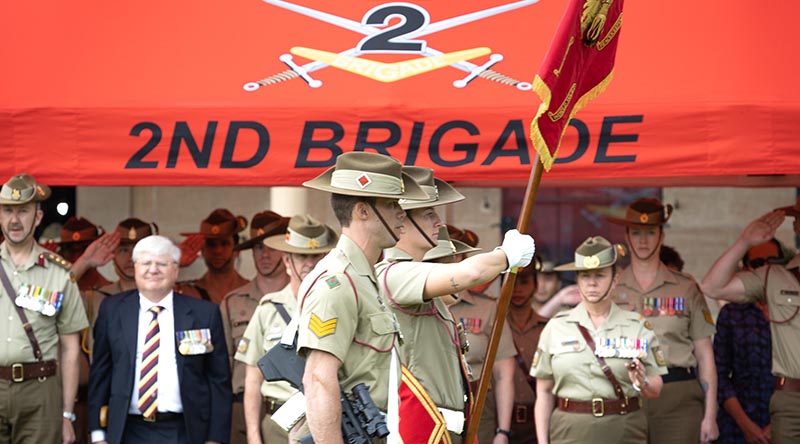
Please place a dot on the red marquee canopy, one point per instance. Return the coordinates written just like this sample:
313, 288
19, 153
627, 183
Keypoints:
267, 92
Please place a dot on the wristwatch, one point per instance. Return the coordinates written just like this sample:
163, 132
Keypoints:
70, 416
499, 431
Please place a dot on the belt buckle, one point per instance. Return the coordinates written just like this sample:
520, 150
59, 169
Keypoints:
14, 368
520, 413
595, 411
781, 382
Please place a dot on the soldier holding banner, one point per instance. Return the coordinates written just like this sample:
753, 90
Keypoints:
432, 352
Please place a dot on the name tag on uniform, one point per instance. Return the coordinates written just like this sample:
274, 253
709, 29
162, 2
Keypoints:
194, 342
790, 292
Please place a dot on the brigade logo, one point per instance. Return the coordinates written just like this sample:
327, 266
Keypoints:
322, 328
383, 35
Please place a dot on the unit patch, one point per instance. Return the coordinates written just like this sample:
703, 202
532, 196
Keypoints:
332, 282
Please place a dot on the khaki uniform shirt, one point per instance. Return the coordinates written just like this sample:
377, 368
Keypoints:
782, 292
343, 314
264, 332
565, 357
199, 288
676, 330
477, 313
38, 271
236, 309
526, 340
431, 348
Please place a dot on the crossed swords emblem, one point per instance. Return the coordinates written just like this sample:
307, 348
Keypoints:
473, 70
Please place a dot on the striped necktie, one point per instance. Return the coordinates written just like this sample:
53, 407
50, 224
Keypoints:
148, 378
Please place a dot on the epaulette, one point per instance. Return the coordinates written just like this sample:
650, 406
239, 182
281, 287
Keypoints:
267, 298
561, 314
55, 259
682, 274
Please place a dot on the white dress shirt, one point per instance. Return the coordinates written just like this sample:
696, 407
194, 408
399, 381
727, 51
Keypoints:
169, 395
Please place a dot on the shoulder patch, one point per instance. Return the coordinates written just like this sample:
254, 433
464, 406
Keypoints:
243, 344
536, 357
55, 259
648, 325
707, 316
322, 328
333, 282
266, 299
659, 355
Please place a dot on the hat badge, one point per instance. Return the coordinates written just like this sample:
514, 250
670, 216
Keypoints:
313, 243
591, 262
76, 236
215, 229
132, 234
15, 194
643, 218
363, 180
40, 190
259, 232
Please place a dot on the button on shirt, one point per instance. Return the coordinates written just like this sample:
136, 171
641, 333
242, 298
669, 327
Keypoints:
169, 394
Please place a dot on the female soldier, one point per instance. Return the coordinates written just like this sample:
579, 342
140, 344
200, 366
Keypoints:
594, 361
686, 411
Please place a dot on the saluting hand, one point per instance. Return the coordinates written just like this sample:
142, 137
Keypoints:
763, 229
190, 248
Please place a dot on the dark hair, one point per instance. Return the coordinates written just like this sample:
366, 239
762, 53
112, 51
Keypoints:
343, 206
670, 256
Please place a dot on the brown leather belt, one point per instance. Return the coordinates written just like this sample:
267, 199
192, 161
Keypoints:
522, 413
22, 372
787, 384
271, 405
599, 406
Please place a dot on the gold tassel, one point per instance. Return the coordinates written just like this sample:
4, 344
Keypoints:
593, 20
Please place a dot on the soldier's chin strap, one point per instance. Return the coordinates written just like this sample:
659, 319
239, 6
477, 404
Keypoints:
628, 235
425, 235
383, 221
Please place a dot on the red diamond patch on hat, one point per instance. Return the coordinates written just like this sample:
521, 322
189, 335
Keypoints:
363, 180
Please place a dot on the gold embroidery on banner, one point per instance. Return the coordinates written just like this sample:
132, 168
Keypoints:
557, 71
555, 116
611, 34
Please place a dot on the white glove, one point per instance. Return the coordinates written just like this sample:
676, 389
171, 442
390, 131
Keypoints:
519, 249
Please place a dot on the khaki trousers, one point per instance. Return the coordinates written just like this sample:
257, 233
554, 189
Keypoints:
583, 428
675, 416
30, 411
784, 412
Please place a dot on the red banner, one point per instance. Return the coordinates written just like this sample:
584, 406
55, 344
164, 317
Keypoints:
577, 68
268, 92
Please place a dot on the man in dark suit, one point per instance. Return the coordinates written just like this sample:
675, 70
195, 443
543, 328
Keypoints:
160, 362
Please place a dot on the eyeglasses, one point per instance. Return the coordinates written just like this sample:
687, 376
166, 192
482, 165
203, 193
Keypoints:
761, 261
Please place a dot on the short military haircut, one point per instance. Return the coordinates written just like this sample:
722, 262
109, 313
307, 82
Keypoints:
343, 206
156, 245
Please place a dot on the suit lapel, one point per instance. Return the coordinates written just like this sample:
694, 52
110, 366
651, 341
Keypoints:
183, 322
129, 318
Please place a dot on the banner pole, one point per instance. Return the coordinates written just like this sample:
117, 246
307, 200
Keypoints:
502, 306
